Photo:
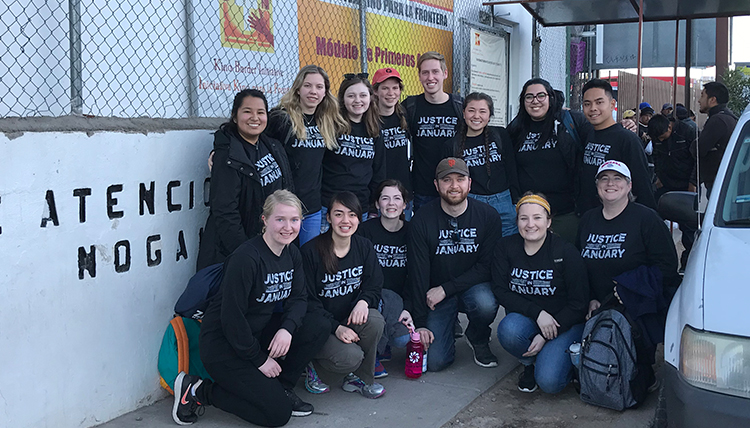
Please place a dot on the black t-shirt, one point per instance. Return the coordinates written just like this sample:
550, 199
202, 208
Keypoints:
434, 125
268, 169
390, 248
396, 142
359, 277
614, 143
454, 253
553, 280
305, 157
542, 168
501, 159
636, 237
254, 281
358, 166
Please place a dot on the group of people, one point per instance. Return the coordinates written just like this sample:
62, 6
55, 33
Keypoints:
326, 270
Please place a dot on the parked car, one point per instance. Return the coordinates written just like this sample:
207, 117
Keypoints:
707, 337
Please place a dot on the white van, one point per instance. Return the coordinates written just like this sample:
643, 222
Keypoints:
707, 337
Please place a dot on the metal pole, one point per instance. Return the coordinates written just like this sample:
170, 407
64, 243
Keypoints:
676, 64
688, 61
363, 32
639, 85
191, 57
535, 42
76, 64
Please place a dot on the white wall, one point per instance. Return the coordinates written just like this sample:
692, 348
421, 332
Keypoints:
78, 352
521, 35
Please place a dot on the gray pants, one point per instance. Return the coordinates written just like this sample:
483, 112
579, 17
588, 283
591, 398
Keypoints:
395, 333
337, 359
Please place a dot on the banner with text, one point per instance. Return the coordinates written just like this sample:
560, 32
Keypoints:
489, 70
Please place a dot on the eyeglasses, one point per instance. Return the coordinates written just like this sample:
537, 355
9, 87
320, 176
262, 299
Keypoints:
455, 236
348, 76
529, 98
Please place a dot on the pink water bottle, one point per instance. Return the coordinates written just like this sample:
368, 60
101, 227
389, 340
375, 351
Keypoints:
414, 356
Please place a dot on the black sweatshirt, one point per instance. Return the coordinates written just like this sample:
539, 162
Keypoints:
431, 126
305, 156
502, 175
553, 280
255, 279
673, 157
436, 259
636, 237
614, 143
542, 168
358, 278
397, 143
357, 166
713, 141
390, 248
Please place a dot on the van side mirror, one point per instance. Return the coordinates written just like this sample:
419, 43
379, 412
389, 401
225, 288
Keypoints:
680, 207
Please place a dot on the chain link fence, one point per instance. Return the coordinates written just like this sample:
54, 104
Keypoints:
164, 59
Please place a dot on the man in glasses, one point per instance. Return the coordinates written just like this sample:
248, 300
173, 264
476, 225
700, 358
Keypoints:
609, 141
433, 118
450, 247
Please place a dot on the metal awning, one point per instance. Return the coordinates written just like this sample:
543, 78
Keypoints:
552, 13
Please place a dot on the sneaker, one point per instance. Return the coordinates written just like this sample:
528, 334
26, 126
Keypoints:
386, 355
185, 403
313, 383
379, 370
526, 381
299, 407
458, 331
483, 356
353, 383
654, 386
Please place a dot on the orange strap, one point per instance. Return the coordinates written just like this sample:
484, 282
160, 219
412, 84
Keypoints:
183, 346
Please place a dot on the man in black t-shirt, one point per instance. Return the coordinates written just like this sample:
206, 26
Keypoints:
451, 241
433, 118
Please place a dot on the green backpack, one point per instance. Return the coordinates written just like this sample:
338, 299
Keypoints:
179, 352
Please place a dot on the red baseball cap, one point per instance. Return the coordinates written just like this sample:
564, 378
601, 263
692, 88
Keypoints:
385, 73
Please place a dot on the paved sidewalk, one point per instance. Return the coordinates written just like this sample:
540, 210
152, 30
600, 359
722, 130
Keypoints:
430, 401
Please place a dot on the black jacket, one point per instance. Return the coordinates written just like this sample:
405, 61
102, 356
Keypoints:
673, 157
236, 197
713, 141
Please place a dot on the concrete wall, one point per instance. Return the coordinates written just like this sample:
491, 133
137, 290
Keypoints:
520, 22
89, 282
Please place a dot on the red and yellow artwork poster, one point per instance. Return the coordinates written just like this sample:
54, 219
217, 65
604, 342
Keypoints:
398, 32
246, 28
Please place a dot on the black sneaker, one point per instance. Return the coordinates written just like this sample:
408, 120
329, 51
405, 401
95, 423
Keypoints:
185, 403
526, 381
299, 407
483, 356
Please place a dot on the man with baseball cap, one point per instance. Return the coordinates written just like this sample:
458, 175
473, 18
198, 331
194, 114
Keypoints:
667, 109
450, 247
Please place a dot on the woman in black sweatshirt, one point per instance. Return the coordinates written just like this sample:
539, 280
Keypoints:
357, 165
344, 282
246, 336
488, 152
541, 281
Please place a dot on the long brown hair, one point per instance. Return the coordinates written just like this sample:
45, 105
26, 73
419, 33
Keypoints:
327, 114
398, 108
371, 116
324, 242
477, 96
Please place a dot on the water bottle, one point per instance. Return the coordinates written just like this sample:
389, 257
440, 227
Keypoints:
414, 356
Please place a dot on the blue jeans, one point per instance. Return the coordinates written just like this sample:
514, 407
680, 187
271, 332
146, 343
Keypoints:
553, 369
324, 225
503, 204
310, 227
420, 200
479, 305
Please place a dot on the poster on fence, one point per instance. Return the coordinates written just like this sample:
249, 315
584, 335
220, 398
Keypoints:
489, 70
243, 44
398, 32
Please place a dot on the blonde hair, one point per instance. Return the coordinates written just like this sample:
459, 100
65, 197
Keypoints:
327, 115
283, 197
432, 55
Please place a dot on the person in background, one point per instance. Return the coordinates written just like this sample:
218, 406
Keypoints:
716, 132
432, 117
548, 141
683, 115
248, 166
609, 141
344, 283
307, 122
253, 353
488, 152
667, 109
358, 163
388, 234
541, 281
387, 84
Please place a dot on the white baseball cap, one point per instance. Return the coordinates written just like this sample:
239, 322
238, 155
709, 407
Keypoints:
616, 166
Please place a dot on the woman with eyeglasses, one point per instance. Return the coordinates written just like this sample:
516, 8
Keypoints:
344, 283
548, 142
307, 122
541, 281
357, 164
488, 152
